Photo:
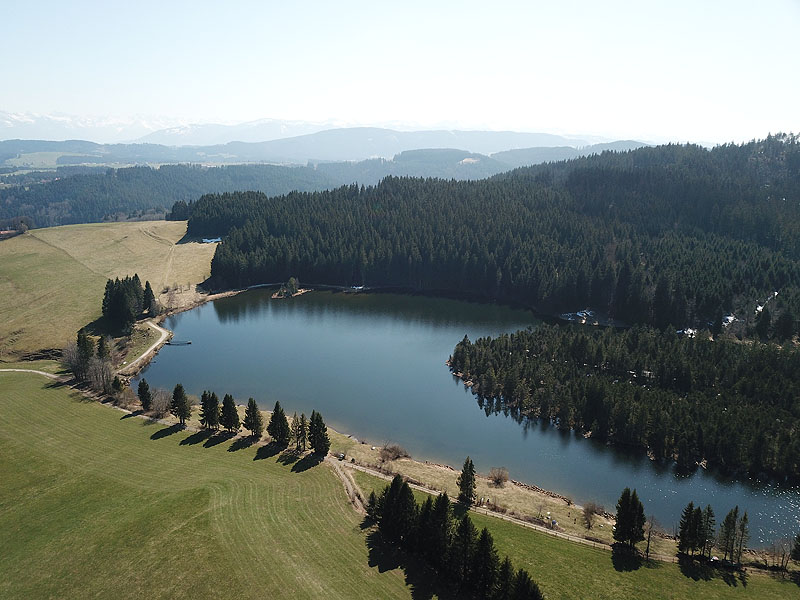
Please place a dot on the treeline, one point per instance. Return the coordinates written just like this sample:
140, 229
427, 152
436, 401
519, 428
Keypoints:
732, 404
139, 192
213, 414
669, 235
451, 546
125, 300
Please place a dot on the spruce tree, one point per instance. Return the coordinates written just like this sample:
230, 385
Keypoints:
707, 529
230, 416
684, 537
466, 483
440, 531
150, 304
209, 410
629, 528
505, 581
742, 536
318, 435
696, 529
462, 550
145, 397
523, 587
278, 428
103, 350
181, 406
727, 533
302, 433
485, 563
253, 420
85, 354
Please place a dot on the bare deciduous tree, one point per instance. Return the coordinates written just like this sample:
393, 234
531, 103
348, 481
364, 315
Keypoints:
498, 476
590, 511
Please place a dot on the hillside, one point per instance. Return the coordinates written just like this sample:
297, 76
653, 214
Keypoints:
52, 280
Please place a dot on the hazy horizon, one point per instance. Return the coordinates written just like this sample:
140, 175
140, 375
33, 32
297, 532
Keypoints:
710, 72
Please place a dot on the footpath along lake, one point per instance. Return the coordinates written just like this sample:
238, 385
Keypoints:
374, 366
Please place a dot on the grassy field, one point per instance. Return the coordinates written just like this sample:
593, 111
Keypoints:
568, 570
52, 280
94, 504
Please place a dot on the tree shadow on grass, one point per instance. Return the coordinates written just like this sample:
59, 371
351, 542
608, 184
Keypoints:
167, 431
305, 463
267, 451
288, 457
701, 569
241, 443
218, 438
134, 413
421, 579
624, 558
197, 437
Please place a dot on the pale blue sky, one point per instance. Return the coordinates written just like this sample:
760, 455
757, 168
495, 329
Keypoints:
709, 71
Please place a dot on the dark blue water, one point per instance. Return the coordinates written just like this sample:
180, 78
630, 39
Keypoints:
374, 366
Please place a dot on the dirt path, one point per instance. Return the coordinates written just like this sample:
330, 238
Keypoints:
520, 522
43, 373
353, 491
130, 367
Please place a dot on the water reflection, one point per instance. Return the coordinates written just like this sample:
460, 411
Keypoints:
373, 364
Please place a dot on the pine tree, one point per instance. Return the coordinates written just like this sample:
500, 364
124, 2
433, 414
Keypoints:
103, 351
181, 406
439, 537
523, 587
462, 549
302, 433
505, 581
372, 505
466, 483
629, 528
278, 427
145, 397
230, 416
742, 536
727, 533
318, 435
685, 541
150, 304
85, 354
485, 563
209, 410
294, 429
708, 527
253, 420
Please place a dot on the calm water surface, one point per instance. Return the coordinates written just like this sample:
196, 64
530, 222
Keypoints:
374, 366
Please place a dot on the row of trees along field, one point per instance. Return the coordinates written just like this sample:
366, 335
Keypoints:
302, 432
671, 234
734, 405
450, 545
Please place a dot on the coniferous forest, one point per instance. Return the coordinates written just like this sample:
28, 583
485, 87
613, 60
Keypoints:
674, 235
667, 237
733, 404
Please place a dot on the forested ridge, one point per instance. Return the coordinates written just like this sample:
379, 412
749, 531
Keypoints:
137, 191
735, 405
673, 234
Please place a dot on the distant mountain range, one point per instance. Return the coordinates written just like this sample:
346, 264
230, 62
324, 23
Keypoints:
332, 145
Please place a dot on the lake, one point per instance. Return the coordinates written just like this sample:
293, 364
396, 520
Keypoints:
374, 366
